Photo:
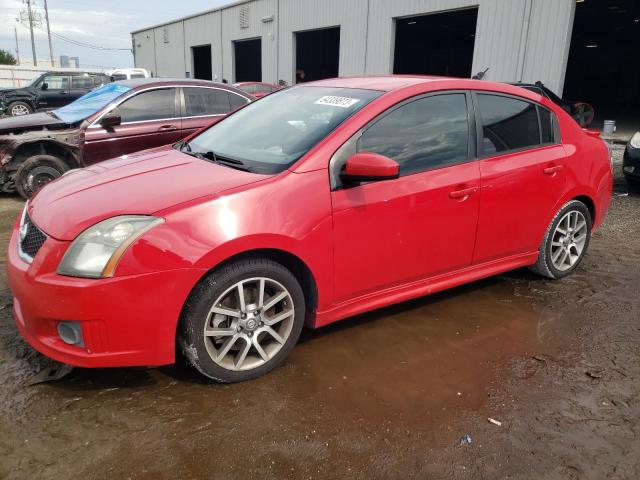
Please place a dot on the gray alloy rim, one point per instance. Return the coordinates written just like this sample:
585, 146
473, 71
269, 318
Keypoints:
249, 323
19, 110
569, 239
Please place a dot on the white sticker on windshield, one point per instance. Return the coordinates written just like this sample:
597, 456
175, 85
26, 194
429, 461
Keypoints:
334, 101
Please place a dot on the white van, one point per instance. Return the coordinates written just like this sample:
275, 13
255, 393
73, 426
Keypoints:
128, 73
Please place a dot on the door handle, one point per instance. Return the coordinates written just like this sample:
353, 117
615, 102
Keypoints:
464, 193
553, 170
167, 128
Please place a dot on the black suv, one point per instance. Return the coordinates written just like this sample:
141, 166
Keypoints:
49, 90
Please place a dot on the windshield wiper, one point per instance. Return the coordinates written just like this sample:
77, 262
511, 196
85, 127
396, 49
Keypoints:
212, 157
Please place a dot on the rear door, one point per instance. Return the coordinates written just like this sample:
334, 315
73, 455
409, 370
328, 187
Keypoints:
56, 94
203, 106
80, 84
422, 224
149, 119
522, 172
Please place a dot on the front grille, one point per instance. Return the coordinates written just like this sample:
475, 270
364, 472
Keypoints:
31, 237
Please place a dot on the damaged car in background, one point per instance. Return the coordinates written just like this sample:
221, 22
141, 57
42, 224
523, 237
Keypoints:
114, 120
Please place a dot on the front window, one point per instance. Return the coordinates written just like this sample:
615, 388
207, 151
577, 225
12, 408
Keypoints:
270, 135
56, 82
90, 103
157, 104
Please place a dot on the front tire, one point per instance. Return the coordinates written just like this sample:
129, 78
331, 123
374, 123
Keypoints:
36, 171
565, 242
242, 320
17, 109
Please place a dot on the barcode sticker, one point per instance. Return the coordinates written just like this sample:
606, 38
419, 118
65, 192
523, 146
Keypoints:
333, 101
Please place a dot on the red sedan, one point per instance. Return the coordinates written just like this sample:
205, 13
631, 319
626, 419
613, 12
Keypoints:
317, 203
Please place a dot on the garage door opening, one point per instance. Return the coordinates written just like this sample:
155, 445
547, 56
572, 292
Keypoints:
603, 68
202, 62
317, 54
248, 60
436, 44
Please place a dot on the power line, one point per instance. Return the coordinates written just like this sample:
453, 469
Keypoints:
78, 42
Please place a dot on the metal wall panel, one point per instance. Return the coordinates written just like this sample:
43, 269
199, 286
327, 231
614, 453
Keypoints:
548, 42
267, 31
517, 39
204, 30
301, 15
170, 59
144, 50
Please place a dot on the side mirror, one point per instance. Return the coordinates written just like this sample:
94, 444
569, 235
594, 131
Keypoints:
111, 120
45, 86
370, 167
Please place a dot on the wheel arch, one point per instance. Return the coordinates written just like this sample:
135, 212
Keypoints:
25, 150
294, 263
590, 204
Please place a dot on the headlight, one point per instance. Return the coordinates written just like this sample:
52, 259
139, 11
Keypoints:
95, 253
635, 140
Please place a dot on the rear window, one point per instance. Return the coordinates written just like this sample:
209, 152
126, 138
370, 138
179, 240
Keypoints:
205, 101
81, 82
507, 124
546, 125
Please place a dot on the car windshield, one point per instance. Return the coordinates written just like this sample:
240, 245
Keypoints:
270, 135
90, 103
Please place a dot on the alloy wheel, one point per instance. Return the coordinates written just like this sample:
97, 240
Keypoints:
569, 240
19, 110
249, 323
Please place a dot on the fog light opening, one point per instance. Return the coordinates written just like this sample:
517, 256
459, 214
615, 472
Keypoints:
71, 333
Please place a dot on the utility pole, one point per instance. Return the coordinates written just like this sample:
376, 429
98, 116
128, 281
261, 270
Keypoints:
46, 16
33, 41
15, 31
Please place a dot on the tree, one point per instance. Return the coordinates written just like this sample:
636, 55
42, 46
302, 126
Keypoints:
6, 58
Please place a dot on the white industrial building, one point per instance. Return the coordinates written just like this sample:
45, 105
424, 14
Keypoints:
301, 40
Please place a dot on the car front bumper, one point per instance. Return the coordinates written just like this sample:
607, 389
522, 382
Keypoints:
125, 321
631, 162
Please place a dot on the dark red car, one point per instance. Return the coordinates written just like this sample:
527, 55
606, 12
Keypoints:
314, 204
116, 119
257, 89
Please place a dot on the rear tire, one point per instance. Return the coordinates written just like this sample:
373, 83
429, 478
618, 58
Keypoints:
36, 171
232, 340
17, 109
565, 242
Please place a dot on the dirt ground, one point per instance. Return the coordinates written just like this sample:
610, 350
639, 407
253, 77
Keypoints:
384, 395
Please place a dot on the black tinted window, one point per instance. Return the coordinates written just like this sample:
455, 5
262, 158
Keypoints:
425, 134
237, 101
82, 82
205, 101
151, 105
546, 125
507, 124
55, 82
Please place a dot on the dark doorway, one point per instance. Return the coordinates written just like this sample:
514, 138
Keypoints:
436, 44
248, 60
202, 62
317, 54
604, 66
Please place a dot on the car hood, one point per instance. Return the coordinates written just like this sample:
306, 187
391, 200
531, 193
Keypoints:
33, 121
12, 92
143, 183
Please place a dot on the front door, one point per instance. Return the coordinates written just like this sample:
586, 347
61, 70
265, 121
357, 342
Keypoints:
422, 224
148, 119
522, 174
55, 94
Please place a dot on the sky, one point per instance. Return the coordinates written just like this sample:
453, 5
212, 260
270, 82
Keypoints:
103, 23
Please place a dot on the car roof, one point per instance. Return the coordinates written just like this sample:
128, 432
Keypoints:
137, 83
389, 83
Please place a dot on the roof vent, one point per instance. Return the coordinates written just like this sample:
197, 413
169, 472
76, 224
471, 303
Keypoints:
244, 16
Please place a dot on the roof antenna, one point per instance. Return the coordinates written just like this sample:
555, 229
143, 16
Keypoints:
480, 75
